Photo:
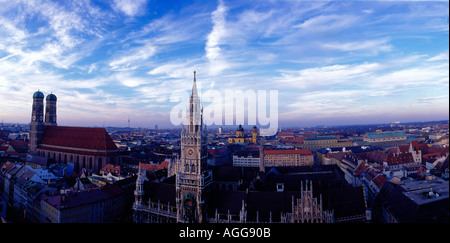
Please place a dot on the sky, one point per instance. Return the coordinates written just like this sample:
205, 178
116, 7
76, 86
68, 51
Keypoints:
331, 62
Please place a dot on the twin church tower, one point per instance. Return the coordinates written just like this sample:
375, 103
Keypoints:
38, 124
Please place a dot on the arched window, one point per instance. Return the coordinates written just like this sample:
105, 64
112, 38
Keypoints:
90, 163
100, 163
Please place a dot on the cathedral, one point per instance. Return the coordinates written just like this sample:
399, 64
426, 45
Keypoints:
86, 147
189, 195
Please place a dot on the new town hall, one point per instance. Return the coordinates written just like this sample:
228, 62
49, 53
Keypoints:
191, 192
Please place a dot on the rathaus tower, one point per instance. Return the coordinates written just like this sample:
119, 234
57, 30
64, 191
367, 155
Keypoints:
192, 178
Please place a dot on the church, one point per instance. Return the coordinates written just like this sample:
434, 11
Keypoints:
241, 138
265, 195
87, 147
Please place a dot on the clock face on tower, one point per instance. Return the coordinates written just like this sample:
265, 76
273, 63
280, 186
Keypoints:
190, 152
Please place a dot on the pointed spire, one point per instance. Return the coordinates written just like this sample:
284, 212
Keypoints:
194, 86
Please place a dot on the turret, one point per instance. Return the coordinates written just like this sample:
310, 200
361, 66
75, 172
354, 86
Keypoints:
50, 110
37, 121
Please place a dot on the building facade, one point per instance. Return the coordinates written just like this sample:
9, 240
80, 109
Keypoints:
315, 143
246, 158
385, 137
290, 157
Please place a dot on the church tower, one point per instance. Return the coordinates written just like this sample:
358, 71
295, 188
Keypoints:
192, 178
255, 134
37, 121
50, 110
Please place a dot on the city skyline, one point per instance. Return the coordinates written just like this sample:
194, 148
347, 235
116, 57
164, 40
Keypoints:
332, 62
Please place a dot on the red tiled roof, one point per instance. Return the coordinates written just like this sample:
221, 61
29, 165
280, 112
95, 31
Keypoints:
84, 139
379, 180
338, 155
394, 159
289, 151
155, 167
415, 145
403, 149
111, 168
361, 168
285, 134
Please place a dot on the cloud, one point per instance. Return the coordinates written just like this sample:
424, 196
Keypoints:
427, 99
422, 76
130, 7
327, 75
372, 46
213, 42
441, 57
323, 23
132, 57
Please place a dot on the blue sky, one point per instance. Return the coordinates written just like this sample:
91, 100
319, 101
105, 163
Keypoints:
332, 62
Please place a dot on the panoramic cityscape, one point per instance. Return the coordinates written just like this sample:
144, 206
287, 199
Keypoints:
224, 112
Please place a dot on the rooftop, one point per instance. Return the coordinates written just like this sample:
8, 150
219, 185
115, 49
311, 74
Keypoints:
386, 134
321, 138
87, 139
288, 151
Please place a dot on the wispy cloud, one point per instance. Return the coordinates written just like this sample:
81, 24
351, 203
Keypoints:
369, 46
441, 57
212, 48
130, 59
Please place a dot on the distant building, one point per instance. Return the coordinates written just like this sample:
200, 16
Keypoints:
315, 143
290, 157
386, 138
246, 158
413, 148
241, 138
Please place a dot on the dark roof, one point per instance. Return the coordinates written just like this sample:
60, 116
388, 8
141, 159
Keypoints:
160, 191
409, 204
38, 94
293, 176
347, 201
264, 203
224, 201
81, 140
247, 152
226, 173
77, 199
51, 97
